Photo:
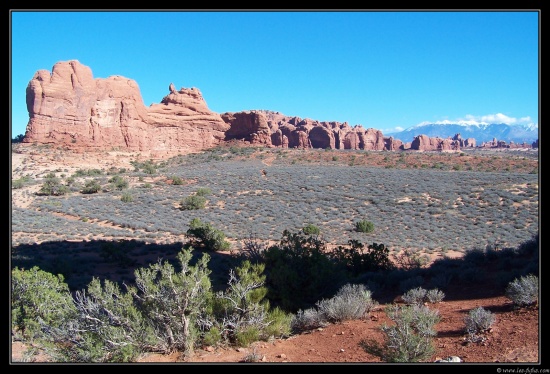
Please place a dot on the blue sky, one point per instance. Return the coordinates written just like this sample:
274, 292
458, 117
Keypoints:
386, 70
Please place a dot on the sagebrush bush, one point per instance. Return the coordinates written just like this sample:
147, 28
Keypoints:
410, 338
524, 290
435, 296
414, 296
478, 320
308, 319
352, 301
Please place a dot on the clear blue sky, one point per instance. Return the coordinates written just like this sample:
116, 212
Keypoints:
386, 70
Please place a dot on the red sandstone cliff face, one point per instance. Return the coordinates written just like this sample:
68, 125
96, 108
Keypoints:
69, 107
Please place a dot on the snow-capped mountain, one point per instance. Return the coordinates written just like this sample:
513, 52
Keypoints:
481, 132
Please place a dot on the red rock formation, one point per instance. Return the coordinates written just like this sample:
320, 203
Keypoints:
254, 126
69, 107
425, 143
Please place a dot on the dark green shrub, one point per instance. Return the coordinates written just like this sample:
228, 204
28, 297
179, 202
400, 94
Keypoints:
299, 272
364, 226
118, 182
205, 235
358, 259
52, 186
193, 202
311, 229
177, 181
91, 186
38, 298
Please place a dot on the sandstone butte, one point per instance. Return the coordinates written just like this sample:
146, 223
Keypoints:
68, 107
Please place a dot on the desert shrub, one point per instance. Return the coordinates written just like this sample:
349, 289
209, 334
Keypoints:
20, 183
87, 172
52, 186
253, 356
410, 338
108, 328
435, 296
203, 191
177, 181
357, 259
298, 272
127, 197
477, 321
308, 319
411, 259
38, 299
241, 313
364, 226
279, 323
205, 235
414, 296
311, 229
91, 186
247, 335
523, 291
352, 301
193, 202
118, 182
173, 301
148, 167
213, 336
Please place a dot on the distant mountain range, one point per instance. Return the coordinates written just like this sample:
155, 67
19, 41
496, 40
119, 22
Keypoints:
481, 132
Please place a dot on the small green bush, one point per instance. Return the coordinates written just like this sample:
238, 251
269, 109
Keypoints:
177, 181
38, 299
52, 186
364, 226
205, 235
247, 335
203, 191
118, 182
311, 229
193, 202
127, 197
91, 186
